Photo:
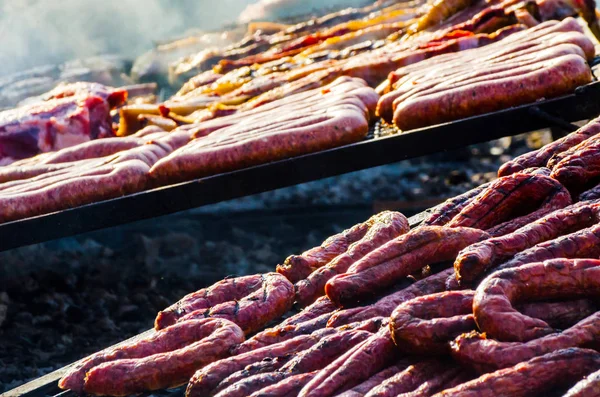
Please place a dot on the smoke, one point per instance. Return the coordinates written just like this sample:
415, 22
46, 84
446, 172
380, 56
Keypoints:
275, 9
37, 32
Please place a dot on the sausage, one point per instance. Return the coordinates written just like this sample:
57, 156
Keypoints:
559, 278
559, 315
541, 156
426, 325
376, 380
269, 364
504, 198
163, 370
356, 365
386, 226
325, 351
554, 77
298, 267
83, 187
581, 244
486, 355
399, 258
386, 305
557, 199
289, 387
222, 291
321, 306
278, 334
475, 259
174, 338
556, 158
534, 377
247, 386
588, 387
410, 379
208, 378
438, 382
576, 170
591, 194
274, 298
444, 212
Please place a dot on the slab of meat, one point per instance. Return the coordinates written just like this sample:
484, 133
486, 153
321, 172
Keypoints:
289, 387
588, 387
505, 199
581, 244
162, 367
358, 364
298, 267
534, 377
255, 302
486, 355
384, 227
426, 325
398, 259
540, 157
554, 279
386, 305
208, 378
57, 123
419, 379
473, 261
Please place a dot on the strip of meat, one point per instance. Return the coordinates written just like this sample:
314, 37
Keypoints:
486, 355
247, 386
386, 305
208, 378
271, 301
557, 199
588, 387
554, 279
444, 212
298, 267
385, 226
581, 244
410, 379
426, 324
163, 370
279, 334
438, 382
289, 387
474, 260
577, 169
400, 258
358, 364
222, 291
164, 341
559, 315
534, 377
541, 156
504, 199
375, 380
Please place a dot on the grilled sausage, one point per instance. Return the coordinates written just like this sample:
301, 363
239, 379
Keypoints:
289, 387
588, 387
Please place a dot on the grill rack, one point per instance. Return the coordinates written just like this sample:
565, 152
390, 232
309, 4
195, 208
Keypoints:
379, 148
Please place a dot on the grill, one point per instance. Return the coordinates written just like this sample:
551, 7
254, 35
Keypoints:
381, 147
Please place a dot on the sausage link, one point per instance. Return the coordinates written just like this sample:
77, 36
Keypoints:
289, 387
376, 380
588, 387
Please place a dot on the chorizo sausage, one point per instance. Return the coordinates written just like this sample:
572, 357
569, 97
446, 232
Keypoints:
386, 226
163, 370
560, 278
399, 258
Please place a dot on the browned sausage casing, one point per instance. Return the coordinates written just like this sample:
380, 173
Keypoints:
588, 387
